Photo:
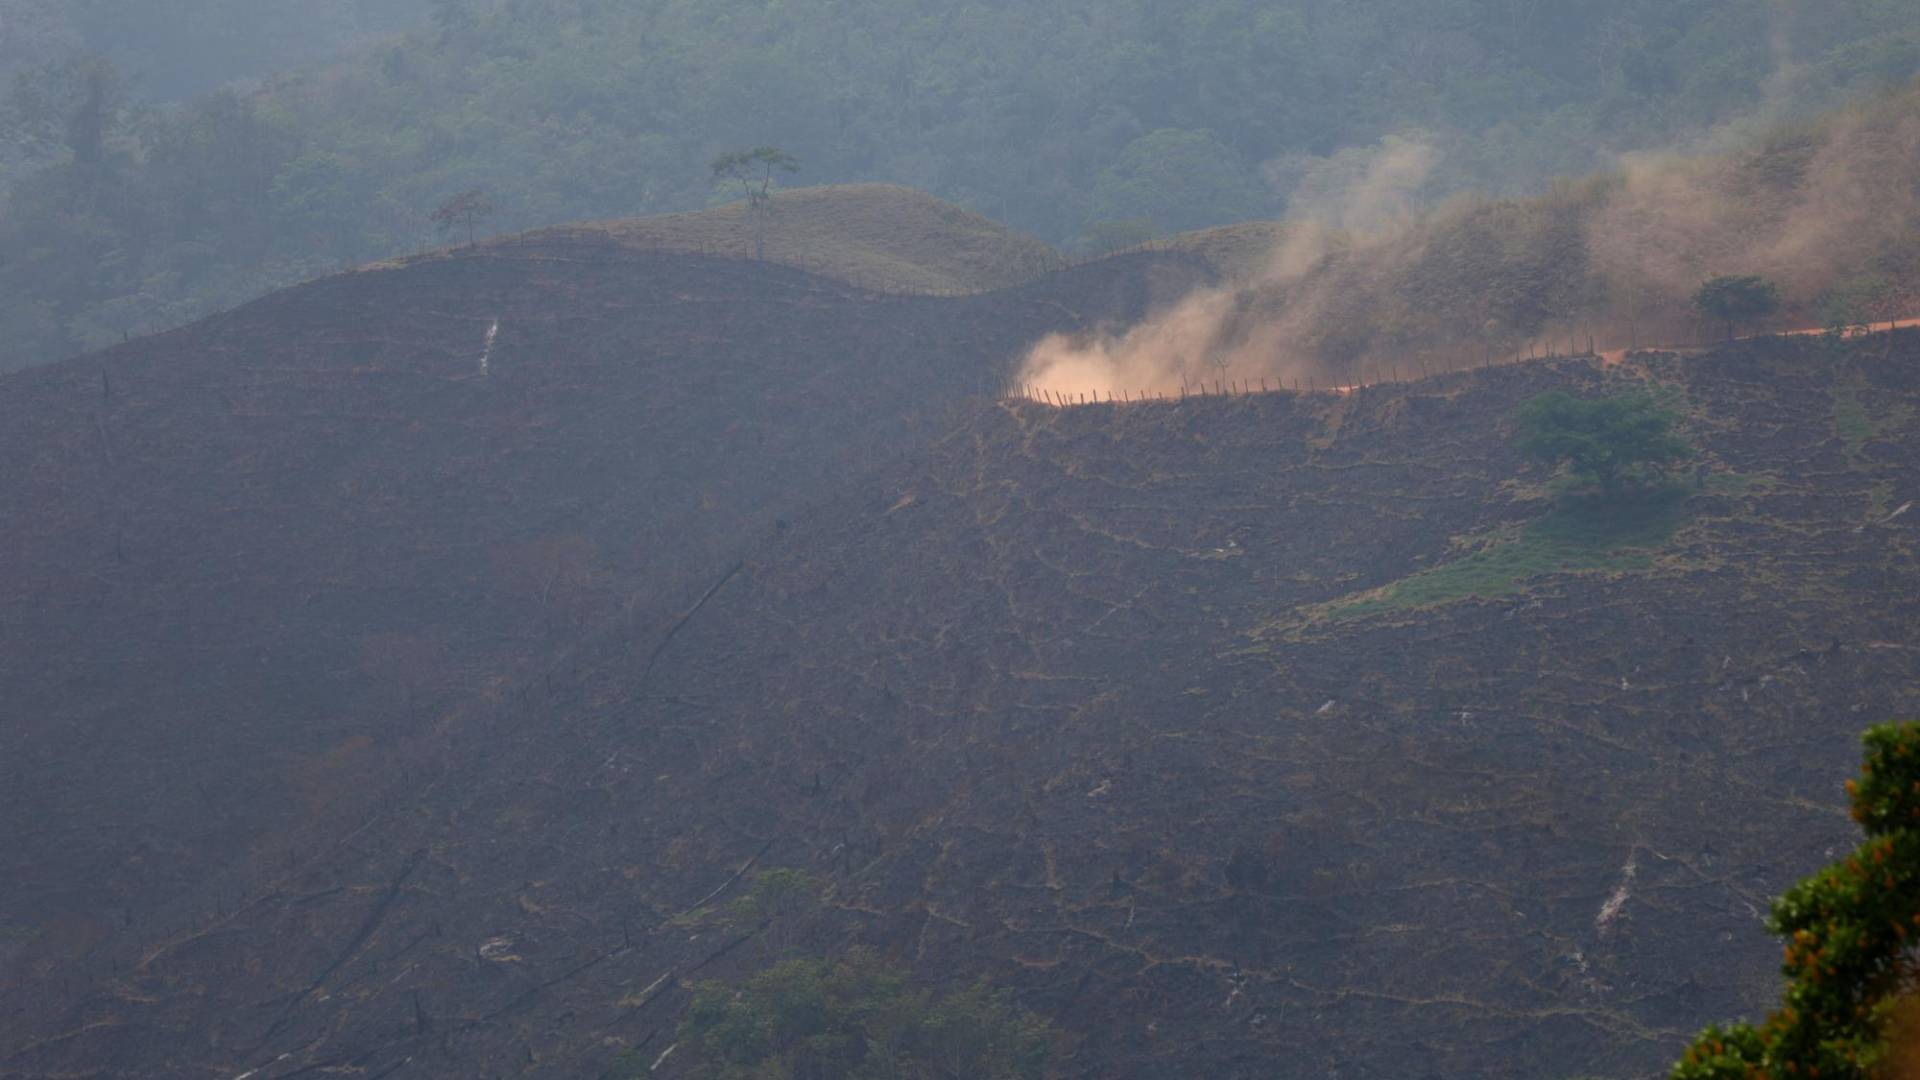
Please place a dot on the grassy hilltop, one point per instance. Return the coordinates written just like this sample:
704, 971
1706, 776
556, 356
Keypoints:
877, 236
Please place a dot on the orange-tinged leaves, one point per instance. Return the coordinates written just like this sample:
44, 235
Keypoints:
1837, 951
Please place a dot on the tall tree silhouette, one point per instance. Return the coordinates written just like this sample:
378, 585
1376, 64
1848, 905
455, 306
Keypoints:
754, 171
466, 208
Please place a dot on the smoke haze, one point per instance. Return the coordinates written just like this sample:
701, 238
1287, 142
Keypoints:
1245, 331
1362, 279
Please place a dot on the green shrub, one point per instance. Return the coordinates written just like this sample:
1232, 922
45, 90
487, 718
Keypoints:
1850, 931
1737, 299
1613, 442
857, 1019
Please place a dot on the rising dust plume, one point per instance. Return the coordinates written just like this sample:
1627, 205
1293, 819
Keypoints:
1360, 282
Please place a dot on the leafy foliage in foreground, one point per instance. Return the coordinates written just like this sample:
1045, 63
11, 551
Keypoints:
1850, 932
857, 1019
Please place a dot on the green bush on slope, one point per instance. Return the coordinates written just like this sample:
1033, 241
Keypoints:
1850, 932
858, 1019
1583, 534
1614, 442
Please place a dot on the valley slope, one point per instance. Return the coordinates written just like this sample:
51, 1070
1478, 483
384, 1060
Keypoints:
246, 561
723, 568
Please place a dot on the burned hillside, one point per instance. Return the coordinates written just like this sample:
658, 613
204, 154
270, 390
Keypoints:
1125, 708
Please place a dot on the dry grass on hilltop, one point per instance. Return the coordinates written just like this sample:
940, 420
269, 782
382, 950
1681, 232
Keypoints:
877, 236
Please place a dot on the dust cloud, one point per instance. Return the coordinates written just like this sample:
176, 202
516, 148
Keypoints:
1809, 212
1362, 279
1243, 331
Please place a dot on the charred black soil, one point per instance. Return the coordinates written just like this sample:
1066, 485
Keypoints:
244, 558
462, 697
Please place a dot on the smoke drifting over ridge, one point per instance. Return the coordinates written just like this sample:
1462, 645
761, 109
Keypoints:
1360, 281
1809, 210
1236, 331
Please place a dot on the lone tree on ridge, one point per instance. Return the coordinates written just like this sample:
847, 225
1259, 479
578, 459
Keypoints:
1610, 441
754, 171
466, 208
1849, 1010
1734, 300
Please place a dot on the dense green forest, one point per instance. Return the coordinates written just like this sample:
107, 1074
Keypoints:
175, 48
1080, 122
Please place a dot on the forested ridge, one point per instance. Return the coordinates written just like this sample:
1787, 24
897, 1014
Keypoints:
1084, 123
177, 48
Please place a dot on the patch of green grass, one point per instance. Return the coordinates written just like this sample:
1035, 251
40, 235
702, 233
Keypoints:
773, 893
1586, 534
1850, 420
1880, 496
1856, 424
1733, 483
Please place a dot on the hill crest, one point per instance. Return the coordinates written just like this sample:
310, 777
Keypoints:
883, 237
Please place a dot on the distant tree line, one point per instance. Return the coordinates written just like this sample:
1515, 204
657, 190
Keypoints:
177, 48
1093, 126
